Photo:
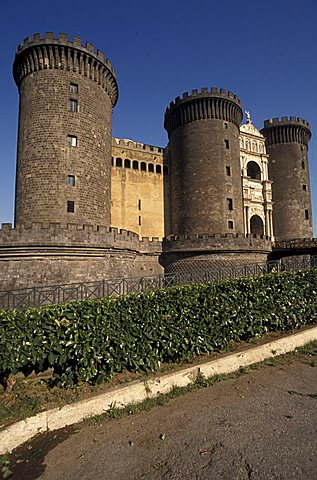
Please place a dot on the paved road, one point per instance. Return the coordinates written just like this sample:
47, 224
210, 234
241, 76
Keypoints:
261, 425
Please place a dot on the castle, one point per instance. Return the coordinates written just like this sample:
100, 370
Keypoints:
89, 206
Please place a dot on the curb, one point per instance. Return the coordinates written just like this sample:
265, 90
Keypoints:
137, 391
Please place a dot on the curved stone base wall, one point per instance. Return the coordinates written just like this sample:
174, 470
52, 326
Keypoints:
207, 252
188, 263
56, 255
29, 268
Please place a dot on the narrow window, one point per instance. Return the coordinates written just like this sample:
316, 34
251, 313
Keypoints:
229, 204
165, 170
230, 224
228, 171
151, 167
143, 166
112, 161
303, 165
139, 204
158, 169
305, 187
118, 162
72, 141
140, 220
73, 105
71, 180
73, 88
70, 206
225, 125
127, 163
306, 215
226, 143
135, 165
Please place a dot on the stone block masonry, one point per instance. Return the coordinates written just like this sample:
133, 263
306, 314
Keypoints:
53, 254
203, 131
287, 145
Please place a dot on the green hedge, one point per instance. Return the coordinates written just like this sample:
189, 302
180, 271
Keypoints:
89, 341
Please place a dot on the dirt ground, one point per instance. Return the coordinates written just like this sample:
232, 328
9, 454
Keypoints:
260, 425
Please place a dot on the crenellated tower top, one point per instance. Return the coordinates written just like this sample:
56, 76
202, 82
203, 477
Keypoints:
205, 104
48, 52
286, 130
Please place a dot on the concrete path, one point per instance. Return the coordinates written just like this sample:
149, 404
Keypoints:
261, 425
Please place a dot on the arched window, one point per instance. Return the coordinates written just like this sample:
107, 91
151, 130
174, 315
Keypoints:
143, 166
158, 169
256, 225
151, 167
253, 171
254, 147
135, 165
261, 148
127, 163
247, 144
118, 162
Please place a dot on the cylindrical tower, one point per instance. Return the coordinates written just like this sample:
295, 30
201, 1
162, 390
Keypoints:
67, 93
287, 145
206, 192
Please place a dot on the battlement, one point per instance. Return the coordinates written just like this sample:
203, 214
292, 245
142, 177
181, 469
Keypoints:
203, 105
47, 52
64, 39
286, 130
43, 235
204, 92
204, 236
271, 122
228, 242
131, 144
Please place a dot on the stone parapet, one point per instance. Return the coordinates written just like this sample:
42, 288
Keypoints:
55, 237
218, 243
286, 130
204, 104
286, 120
131, 144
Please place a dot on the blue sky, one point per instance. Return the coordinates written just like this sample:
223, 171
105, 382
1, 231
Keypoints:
265, 52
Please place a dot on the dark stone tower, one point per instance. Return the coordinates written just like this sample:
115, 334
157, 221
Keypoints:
287, 145
206, 193
67, 93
